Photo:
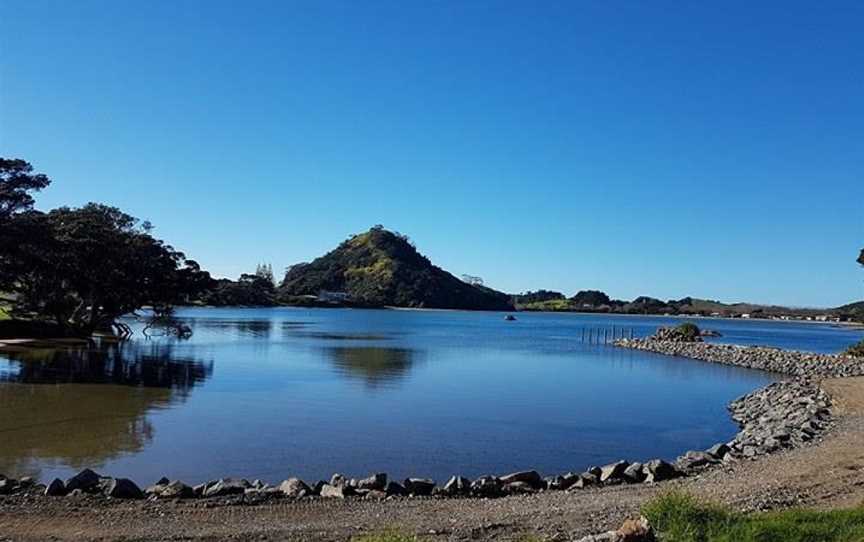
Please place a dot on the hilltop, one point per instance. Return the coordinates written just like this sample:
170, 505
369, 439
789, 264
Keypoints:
381, 268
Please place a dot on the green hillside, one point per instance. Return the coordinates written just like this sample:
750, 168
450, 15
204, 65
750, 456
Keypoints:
381, 268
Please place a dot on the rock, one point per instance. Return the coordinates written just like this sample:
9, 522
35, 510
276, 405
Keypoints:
172, 490
487, 486
86, 480
586, 479
634, 473
227, 486
531, 478
27, 481
636, 530
162, 482
375, 495
613, 472
395, 489
658, 470
56, 488
719, 450
335, 492
608, 536
457, 485
694, 460
419, 486
123, 488
595, 471
561, 482
377, 482
316, 489
294, 488
338, 480
518, 488
6, 486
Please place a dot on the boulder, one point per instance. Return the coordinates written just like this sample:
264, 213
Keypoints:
487, 486
634, 473
377, 482
586, 479
294, 488
316, 489
173, 490
561, 482
6, 486
27, 481
56, 488
375, 495
531, 478
395, 489
719, 450
636, 530
162, 482
335, 492
123, 488
227, 486
518, 488
86, 480
419, 486
695, 460
658, 470
338, 480
613, 473
457, 485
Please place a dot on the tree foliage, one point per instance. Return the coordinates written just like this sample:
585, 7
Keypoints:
85, 267
381, 268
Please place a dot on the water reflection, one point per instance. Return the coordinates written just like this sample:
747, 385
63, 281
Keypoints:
82, 407
259, 329
375, 365
152, 365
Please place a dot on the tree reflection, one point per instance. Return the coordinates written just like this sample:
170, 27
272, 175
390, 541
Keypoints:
81, 407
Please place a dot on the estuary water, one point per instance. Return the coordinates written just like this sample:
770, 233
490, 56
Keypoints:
273, 393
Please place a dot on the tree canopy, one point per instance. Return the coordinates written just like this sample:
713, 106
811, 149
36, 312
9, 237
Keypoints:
85, 267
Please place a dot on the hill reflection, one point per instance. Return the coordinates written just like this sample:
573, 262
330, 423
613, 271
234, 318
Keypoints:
375, 365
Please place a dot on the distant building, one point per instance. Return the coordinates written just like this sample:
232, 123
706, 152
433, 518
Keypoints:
333, 297
745, 315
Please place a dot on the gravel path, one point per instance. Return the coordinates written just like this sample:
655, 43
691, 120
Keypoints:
826, 473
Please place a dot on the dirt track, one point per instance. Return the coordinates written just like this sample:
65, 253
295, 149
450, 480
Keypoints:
826, 474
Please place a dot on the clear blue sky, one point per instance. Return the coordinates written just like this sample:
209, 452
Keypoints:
659, 148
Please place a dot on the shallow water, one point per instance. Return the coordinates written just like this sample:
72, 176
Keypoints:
270, 393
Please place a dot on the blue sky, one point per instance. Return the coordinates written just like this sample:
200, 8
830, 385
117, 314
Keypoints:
664, 149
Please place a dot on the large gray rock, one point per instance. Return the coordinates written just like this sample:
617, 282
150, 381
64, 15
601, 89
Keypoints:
419, 486
695, 460
335, 492
518, 488
338, 480
532, 478
634, 473
377, 482
6, 486
395, 489
658, 470
56, 488
457, 485
86, 480
123, 488
294, 488
487, 486
613, 473
227, 486
561, 482
171, 490
719, 450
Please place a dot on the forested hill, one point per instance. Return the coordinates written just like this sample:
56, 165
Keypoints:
382, 268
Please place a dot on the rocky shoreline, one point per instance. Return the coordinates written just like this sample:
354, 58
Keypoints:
783, 415
763, 358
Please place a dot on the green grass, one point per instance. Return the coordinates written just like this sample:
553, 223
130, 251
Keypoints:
681, 518
856, 350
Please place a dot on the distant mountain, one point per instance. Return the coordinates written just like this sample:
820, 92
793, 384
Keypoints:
381, 268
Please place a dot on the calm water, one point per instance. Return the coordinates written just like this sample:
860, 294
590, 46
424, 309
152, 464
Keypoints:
268, 393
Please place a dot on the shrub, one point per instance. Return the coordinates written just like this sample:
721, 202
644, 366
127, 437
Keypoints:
856, 350
688, 331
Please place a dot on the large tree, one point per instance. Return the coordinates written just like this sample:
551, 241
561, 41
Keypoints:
85, 267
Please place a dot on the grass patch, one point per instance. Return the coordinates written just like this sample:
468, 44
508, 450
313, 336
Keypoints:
681, 518
856, 350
